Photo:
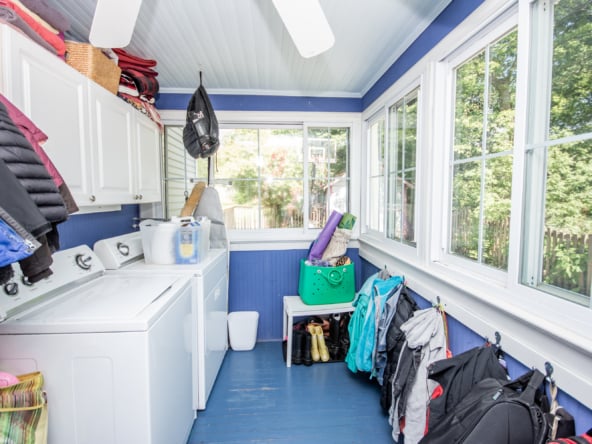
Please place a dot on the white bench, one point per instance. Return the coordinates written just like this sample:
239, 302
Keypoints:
294, 307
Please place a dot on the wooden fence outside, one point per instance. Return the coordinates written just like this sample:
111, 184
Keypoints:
562, 251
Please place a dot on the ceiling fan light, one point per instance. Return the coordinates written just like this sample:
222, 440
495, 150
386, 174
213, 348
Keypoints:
113, 23
307, 25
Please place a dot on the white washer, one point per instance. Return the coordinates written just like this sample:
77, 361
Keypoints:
124, 254
114, 350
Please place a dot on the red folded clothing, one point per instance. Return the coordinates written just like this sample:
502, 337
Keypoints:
149, 72
51, 38
132, 60
11, 18
49, 14
146, 85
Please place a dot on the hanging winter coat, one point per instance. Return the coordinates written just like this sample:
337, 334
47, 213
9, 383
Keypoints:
395, 340
356, 322
425, 342
389, 312
371, 300
23, 161
16, 243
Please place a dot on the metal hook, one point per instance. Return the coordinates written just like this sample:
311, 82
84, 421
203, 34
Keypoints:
200, 78
498, 338
549, 371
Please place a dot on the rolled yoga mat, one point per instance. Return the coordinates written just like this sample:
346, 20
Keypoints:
319, 245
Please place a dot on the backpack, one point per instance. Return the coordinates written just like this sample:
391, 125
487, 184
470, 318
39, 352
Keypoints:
496, 411
586, 438
200, 134
457, 376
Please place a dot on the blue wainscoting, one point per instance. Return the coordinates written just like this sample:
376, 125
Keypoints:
260, 279
86, 229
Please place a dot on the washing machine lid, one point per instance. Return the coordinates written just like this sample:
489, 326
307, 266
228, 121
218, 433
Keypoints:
199, 269
110, 303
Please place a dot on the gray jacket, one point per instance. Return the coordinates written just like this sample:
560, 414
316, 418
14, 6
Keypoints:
425, 342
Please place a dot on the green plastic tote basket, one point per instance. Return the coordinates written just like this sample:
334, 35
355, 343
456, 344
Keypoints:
326, 285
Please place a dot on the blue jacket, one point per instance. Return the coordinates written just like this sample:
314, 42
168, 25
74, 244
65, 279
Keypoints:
370, 302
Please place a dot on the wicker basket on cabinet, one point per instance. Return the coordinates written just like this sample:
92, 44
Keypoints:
95, 65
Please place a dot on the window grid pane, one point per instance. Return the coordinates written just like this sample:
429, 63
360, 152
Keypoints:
328, 173
402, 170
483, 143
558, 257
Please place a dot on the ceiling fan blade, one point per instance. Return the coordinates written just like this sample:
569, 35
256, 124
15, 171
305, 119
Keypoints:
307, 25
113, 23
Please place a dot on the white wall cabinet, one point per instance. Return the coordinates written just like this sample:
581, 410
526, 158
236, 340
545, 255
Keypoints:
107, 151
125, 147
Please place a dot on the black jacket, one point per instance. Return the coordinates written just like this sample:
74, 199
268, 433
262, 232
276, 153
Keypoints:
25, 164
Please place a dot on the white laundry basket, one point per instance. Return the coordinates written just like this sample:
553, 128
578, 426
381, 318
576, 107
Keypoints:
242, 329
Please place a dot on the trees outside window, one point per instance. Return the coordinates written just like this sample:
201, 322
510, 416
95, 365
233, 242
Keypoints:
559, 153
483, 138
259, 173
402, 169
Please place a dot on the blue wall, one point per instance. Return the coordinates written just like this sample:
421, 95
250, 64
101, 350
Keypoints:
89, 228
260, 279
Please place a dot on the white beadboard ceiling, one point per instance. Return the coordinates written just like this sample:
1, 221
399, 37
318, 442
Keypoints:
242, 46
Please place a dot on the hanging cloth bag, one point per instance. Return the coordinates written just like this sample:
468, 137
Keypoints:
23, 411
200, 134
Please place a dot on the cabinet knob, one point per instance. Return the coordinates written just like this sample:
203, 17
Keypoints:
139, 197
92, 198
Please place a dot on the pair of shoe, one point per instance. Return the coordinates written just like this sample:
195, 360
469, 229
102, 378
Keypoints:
301, 347
318, 350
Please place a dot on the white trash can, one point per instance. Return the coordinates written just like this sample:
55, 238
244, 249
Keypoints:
242, 329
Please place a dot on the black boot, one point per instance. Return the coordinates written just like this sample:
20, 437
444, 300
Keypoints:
333, 341
343, 336
297, 349
307, 356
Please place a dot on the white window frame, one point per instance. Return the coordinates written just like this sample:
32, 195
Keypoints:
381, 110
476, 45
535, 326
297, 238
537, 142
378, 118
416, 89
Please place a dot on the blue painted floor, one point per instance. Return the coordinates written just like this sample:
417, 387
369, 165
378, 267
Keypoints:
257, 399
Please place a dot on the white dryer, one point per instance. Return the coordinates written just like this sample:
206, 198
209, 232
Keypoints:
114, 350
124, 254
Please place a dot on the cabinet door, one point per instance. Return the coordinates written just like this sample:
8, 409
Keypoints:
53, 96
112, 147
148, 172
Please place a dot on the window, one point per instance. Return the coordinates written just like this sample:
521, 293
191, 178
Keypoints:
402, 169
328, 177
481, 168
271, 177
376, 148
558, 229
181, 172
259, 175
